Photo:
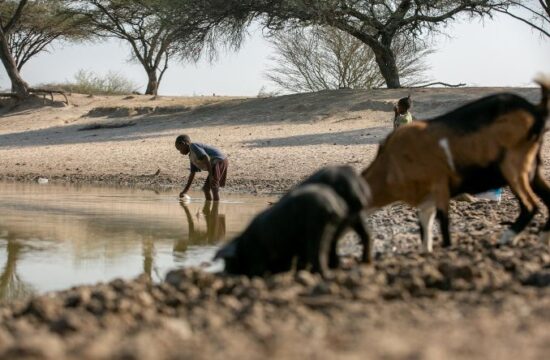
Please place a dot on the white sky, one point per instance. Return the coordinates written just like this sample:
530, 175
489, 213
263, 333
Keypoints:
499, 52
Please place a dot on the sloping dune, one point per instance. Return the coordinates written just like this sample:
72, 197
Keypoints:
271, 142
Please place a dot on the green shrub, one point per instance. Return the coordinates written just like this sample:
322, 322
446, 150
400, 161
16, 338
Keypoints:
88, 82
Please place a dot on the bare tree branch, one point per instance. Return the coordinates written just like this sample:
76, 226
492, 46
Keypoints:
142, 24
320, 58
537, 14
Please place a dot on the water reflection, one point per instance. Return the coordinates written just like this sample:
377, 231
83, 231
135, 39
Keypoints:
214, 221
53, 237
11, 285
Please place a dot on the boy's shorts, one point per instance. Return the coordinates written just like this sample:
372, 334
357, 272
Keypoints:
219, 175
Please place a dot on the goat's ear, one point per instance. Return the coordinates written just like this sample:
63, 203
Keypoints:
228, 251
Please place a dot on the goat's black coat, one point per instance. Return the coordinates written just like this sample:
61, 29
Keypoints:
347, 183
301, 226
483, 112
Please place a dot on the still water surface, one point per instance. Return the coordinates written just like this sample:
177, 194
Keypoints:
54, 236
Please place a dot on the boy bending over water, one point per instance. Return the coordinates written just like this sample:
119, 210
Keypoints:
204, 158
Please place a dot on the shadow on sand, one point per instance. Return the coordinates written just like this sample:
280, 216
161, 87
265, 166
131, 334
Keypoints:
369, 136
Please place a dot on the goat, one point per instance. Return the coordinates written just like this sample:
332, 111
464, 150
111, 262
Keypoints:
487, 144
302, 226
347, 183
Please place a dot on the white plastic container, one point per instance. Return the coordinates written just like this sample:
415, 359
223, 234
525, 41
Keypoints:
491, 195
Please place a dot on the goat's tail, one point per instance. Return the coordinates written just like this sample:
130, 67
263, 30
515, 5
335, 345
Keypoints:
544, 82
543, 109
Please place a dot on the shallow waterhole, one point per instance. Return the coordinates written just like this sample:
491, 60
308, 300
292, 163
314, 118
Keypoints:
53, 237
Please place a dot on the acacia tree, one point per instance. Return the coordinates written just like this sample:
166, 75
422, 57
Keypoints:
7, 25
320, 58
41, 23
535, 13
142, 24
376, 23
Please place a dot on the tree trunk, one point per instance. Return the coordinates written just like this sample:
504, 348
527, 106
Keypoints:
18, 85
388, 66
153, 83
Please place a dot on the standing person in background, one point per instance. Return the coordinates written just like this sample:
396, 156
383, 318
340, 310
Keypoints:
204, 158
401, 110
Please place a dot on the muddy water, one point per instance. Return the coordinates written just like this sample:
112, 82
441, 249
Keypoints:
53, 237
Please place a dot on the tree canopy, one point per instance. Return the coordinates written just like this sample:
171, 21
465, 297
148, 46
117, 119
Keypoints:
41, 23
376, 23
144, 25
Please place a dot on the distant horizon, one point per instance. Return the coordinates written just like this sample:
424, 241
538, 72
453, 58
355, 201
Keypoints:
500, 53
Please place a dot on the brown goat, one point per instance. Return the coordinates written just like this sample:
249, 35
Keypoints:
487, 144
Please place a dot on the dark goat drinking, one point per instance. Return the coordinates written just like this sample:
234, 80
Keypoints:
347, 183
300, 228
487, 144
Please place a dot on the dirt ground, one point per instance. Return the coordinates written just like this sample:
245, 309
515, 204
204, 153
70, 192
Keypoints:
271, 142
475, 300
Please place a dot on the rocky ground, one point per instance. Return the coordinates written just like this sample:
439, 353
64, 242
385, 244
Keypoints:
475, 300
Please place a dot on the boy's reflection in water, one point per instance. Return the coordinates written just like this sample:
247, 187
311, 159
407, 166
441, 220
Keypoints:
215, 227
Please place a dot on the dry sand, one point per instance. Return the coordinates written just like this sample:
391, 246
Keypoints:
473, 301
271, 142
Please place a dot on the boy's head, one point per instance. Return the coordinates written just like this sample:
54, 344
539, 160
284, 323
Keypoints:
404, 104
182, 144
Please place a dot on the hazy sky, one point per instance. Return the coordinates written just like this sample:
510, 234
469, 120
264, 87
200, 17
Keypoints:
499, 52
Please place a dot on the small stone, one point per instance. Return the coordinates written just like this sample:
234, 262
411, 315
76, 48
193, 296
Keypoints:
178, 327
5, 339
39, 346
79, 297
306, 278
42, 307
145, 299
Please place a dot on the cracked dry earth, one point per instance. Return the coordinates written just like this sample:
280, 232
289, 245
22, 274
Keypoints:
473, 301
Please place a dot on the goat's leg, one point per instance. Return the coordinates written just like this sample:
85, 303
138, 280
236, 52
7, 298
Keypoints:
442, 198
426, 214
320, 248
360, 228
443, 218
528, 207
542, 189
333, 259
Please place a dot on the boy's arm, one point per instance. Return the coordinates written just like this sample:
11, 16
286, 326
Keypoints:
188, 185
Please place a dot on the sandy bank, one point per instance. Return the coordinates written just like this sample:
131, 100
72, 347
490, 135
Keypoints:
271, 143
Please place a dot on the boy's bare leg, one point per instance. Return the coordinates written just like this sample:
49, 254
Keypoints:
207, 194
206, 189
216, 193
